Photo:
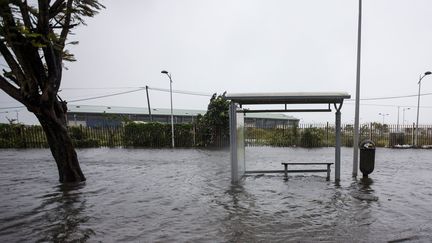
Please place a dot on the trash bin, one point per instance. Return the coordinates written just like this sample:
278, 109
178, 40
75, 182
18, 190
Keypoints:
367, 157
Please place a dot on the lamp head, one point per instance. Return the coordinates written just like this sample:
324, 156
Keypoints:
164, 72
427, 73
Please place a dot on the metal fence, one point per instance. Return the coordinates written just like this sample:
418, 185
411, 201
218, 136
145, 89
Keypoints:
304, 135
323, 135
157, 136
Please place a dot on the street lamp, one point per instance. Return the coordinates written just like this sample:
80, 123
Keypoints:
418, 104
383, 115
403, 115
172, 116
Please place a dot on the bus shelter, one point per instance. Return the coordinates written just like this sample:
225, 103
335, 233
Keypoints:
324, 101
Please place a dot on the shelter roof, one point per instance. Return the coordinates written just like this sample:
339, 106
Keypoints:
288, 98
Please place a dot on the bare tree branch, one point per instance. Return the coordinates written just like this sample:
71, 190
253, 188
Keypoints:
26, 54
24, 9
13, 65
56, 8
43, 18
11, 90
66, 27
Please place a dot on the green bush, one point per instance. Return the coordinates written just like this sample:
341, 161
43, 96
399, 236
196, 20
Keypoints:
80, 138
183, 135
348, 142
86, 143
282, 138
76, 133
156, 134
312, 137
381, 143
12, 136
212, 128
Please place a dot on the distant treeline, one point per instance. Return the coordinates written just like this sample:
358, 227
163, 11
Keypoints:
201, 134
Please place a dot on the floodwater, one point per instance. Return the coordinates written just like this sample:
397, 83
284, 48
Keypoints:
185, 195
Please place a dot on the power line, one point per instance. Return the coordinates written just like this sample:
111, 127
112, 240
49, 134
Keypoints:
182, 92
394, 97
105, 96
77, 88
9, 111
12, 107
207, 95
406, 106
151, 88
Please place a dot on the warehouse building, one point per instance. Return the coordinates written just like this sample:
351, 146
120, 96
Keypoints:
113, 116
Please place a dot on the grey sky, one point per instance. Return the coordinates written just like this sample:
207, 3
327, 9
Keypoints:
254, 46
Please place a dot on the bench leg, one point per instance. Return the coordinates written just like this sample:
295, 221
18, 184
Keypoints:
328, 173
286, 171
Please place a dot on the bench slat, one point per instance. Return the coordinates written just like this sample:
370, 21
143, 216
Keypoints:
263, 171
306, 163
281, 171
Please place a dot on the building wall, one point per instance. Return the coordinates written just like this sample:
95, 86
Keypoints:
269, 123
113, 120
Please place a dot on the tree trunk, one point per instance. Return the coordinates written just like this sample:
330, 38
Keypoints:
61, 147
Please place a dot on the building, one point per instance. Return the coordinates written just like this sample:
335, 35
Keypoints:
113, 116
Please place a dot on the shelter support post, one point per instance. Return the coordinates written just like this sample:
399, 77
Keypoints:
338, 142
233, 142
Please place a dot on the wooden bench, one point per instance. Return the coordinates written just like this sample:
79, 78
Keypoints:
311, 170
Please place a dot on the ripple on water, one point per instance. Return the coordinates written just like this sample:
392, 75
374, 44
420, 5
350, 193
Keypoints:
185, 195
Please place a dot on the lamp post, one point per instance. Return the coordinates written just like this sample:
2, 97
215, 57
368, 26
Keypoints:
357, 99
383, 115
172, 116
418, 105
403, 115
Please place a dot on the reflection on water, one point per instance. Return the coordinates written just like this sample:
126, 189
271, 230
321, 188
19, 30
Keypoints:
362, 190
64, 212
186, 195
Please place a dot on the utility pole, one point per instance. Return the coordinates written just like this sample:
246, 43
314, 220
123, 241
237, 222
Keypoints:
148, 104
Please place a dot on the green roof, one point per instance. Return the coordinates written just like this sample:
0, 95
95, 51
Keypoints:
131, 110
161, 111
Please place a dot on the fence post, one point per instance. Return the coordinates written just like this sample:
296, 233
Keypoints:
327, 134
412, 134
23, 137
194, 135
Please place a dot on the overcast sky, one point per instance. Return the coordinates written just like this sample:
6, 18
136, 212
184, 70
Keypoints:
253, 46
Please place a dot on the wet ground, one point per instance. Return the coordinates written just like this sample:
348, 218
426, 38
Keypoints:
181, 195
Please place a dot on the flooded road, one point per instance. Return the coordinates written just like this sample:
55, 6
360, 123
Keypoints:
144, 195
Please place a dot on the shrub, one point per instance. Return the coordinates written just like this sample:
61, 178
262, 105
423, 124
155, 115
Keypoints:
283, 138
76, 133
156, 134
312, 137
86, 143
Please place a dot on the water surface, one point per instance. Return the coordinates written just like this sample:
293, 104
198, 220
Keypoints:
163, 195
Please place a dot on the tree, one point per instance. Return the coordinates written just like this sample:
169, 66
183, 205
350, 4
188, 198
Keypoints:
214, 125
32, 43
